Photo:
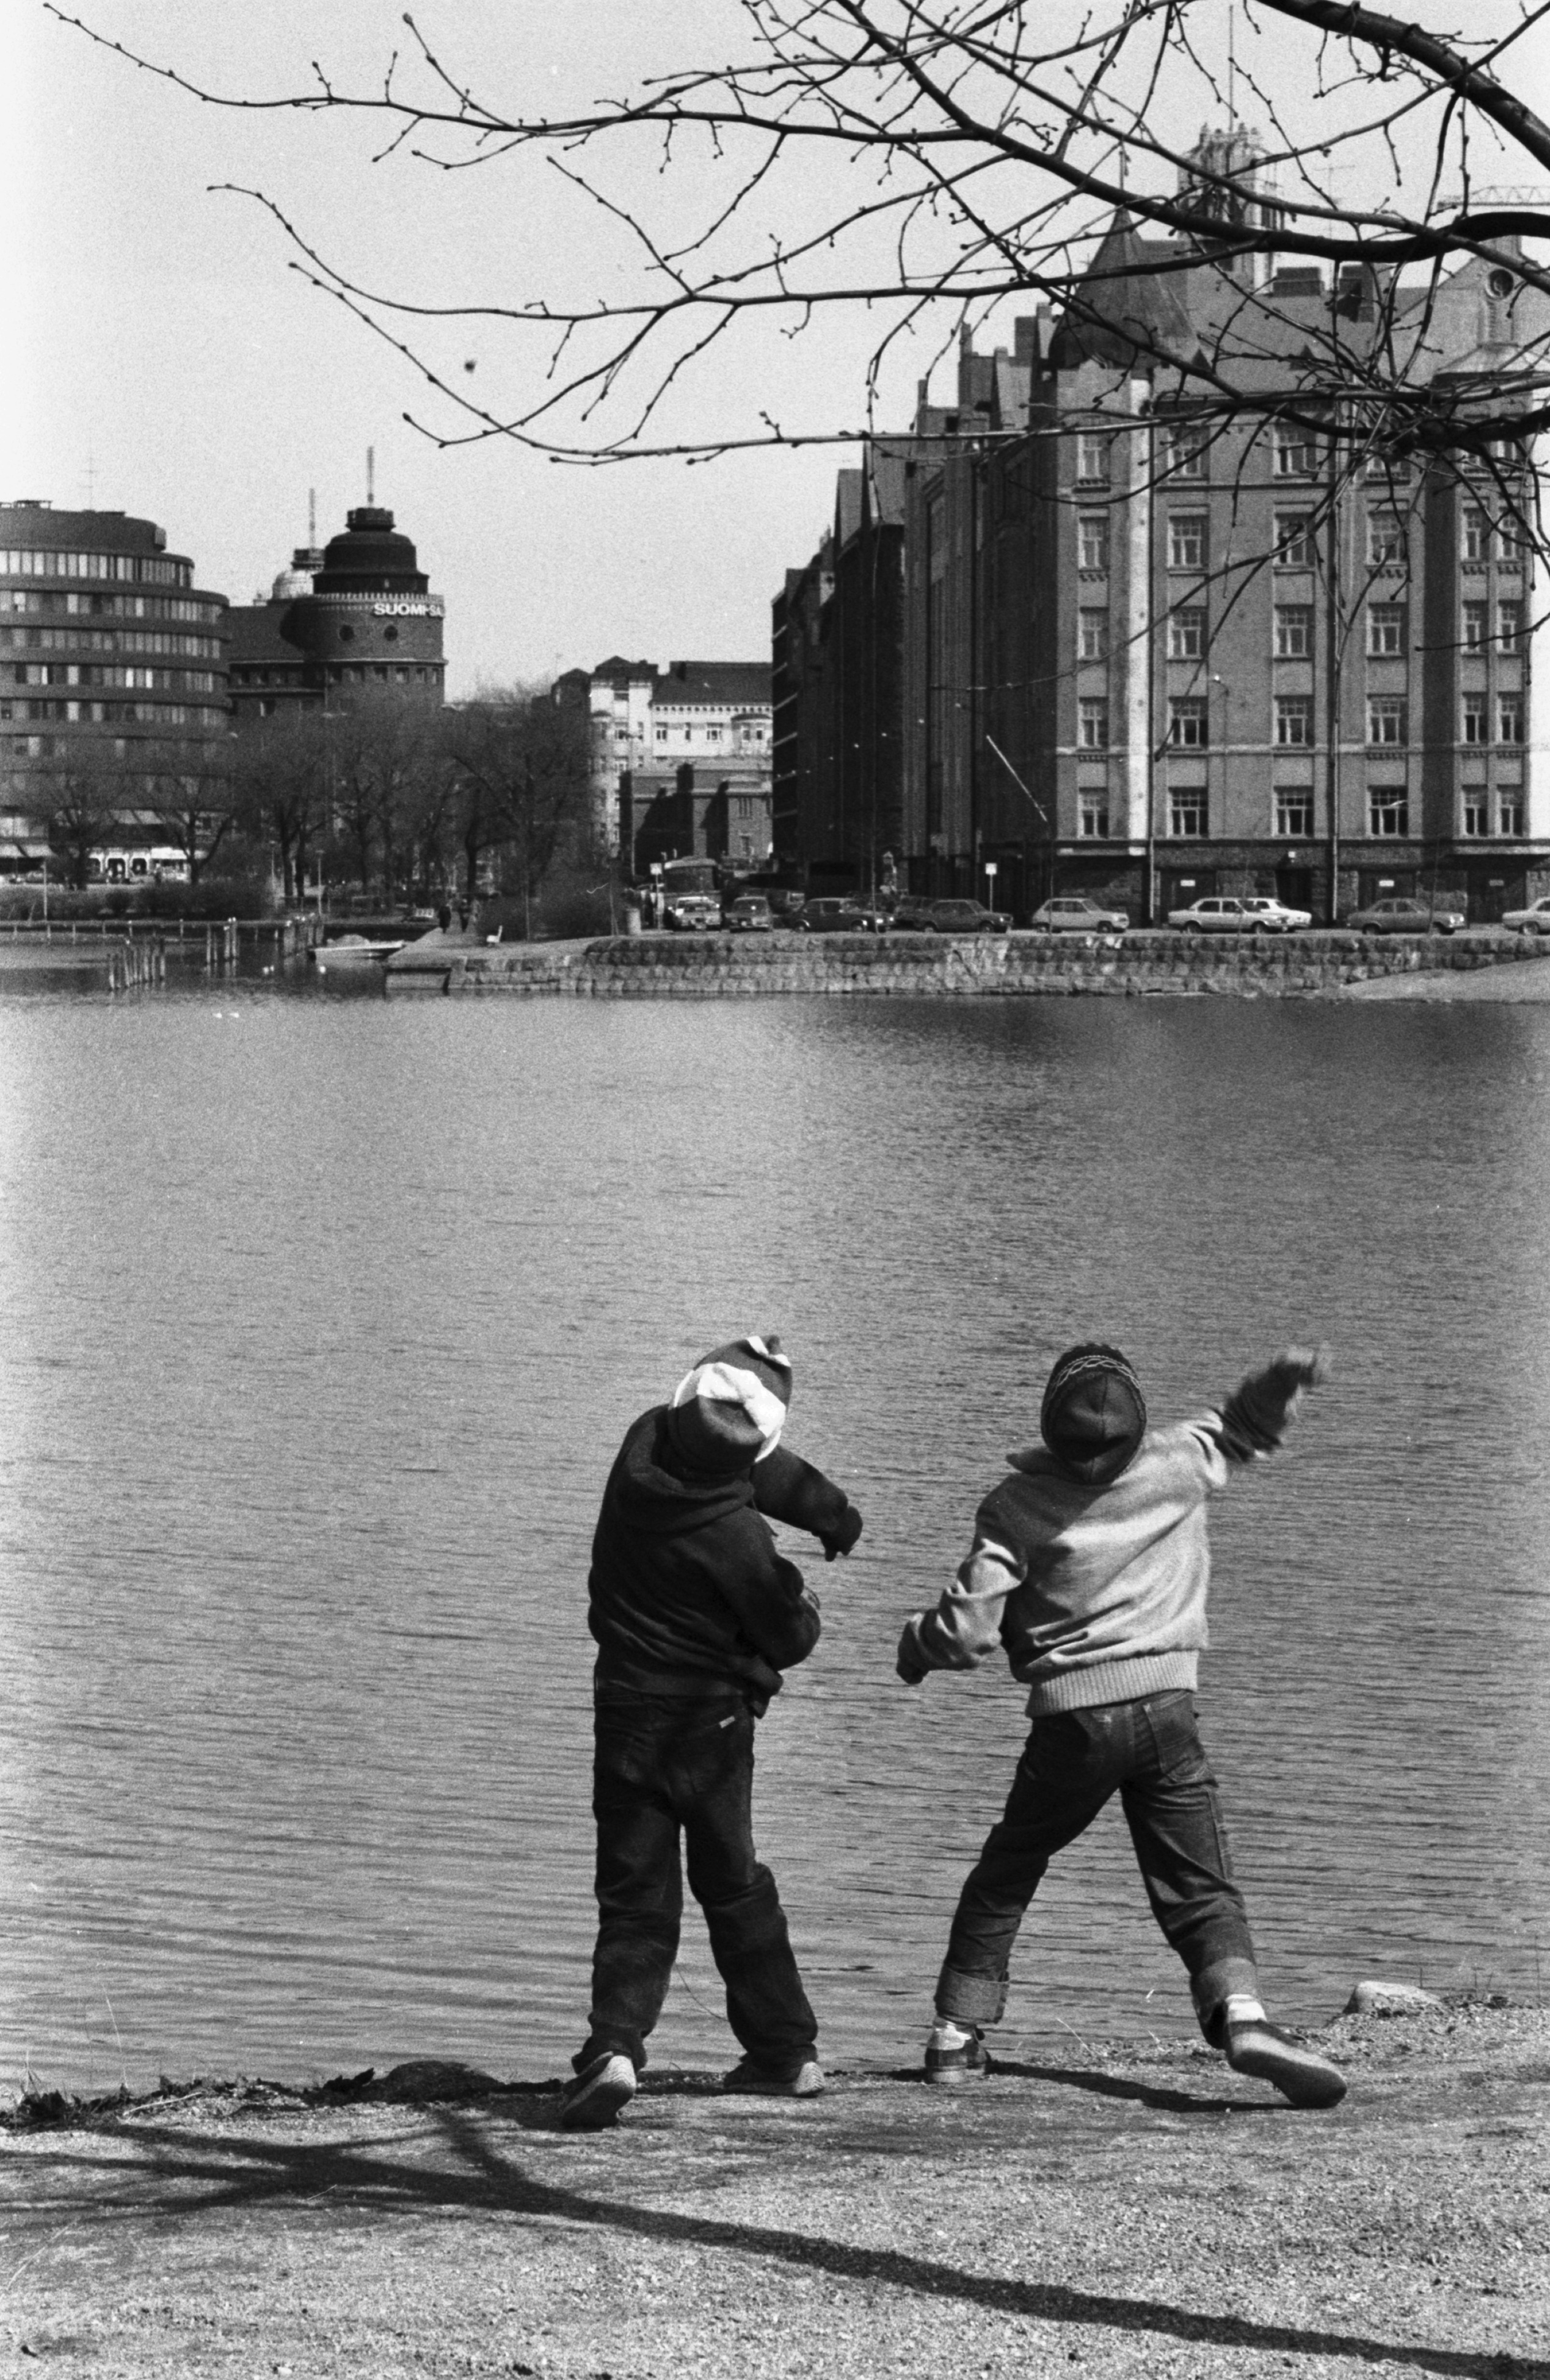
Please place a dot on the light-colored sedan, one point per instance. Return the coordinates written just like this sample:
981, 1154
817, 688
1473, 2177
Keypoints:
1072, 913
1273, 916
1534, 919
1218, 914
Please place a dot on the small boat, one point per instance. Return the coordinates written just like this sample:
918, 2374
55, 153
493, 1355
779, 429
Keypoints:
352, 954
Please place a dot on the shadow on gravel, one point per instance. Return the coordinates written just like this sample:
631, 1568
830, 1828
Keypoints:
247, 2172
1145, 2094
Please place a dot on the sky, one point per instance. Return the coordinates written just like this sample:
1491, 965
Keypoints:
174, 363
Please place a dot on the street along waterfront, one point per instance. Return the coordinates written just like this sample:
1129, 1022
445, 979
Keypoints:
321, 1321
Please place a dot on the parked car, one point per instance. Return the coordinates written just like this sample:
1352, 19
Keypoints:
1403, 915
1072, 913
834, 912
693, 912
1534, 919
916, 915
1273, 916
750, 914
1217, 914
787, 903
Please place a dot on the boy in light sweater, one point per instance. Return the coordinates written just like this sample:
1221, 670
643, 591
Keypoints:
1090, 1565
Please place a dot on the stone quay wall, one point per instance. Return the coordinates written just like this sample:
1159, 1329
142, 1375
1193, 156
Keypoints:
720, 967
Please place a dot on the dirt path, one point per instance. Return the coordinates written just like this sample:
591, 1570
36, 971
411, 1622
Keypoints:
1123, 2211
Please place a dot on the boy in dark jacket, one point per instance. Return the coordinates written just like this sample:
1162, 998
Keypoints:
1089, 1566
696, 1615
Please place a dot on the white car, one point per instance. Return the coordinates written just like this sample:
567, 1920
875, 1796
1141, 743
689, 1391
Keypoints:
1534, 919
1273, 916
1218, 914
1075, 913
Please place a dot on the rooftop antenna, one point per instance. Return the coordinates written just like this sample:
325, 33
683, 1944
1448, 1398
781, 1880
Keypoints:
313, 516
1233, 66
371, 474
91, 482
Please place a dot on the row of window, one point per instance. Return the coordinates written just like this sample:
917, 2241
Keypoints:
46, 561
109, 640
1187, 539
1188, 727
158, 714
1292, 627
1189, 814
107, 607
113, 674
1295, 454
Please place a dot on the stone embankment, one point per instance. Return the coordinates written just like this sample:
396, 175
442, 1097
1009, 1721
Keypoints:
716, 967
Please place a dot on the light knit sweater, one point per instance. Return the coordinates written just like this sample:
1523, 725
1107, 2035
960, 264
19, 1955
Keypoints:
1098, 1594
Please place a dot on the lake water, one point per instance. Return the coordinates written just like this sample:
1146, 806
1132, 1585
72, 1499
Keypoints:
320, 1320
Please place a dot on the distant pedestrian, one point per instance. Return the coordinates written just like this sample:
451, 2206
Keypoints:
1090, 1565
697, 1614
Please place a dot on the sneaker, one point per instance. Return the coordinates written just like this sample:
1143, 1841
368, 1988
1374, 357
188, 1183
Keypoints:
599, 2091
955, 2054
803, 2081
1298, 2074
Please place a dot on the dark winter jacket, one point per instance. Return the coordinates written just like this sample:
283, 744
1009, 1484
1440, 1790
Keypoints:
689, 1595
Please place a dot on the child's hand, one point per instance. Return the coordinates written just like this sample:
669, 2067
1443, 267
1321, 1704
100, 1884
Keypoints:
1301, 1367
840, 1539
910, 1666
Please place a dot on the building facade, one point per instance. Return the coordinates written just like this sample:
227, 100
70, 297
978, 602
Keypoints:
649, 726
837, 629
1155, 648
352, 618
113, 668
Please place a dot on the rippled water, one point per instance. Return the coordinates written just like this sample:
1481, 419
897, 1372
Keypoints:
319, 1323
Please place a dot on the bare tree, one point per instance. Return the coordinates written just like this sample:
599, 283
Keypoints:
191, 794
968, 151
85, 795
521, 767
280, 783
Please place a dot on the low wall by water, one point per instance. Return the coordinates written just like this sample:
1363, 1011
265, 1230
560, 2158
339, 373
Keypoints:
713, 966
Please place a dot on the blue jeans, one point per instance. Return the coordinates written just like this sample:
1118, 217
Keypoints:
1151, 1753
665, 1767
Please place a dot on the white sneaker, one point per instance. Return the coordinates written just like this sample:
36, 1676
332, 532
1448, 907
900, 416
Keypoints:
594, 2099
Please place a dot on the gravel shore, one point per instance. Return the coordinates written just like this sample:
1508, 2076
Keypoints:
1123, 2209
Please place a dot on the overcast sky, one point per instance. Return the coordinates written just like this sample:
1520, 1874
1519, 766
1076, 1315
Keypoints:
174, 364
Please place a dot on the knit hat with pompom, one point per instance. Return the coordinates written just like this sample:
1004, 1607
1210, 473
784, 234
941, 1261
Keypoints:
1094, 1415
729, 1411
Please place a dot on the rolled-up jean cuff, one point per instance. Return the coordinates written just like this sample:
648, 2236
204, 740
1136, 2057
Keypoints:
1214, 1985
971, 1999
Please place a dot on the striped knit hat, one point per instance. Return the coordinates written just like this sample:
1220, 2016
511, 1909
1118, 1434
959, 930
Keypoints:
1094, 1415
729, 1411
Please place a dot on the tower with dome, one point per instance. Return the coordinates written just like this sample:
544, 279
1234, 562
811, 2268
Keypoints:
346, 623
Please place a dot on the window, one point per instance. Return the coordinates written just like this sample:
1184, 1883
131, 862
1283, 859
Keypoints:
1187, 721
1186, 634
1474, 617
1294, 815
1477, 811
1509, 719
1386, 538
1092, 540
1388, 721
1385, 630
1187, 445
1186, 540
1186, 810
1092, 819
1294, 719
1388, 812
1474, 719
1092, 724
1511, 813
1294, 451
1092, 635
1294, 540
1092, 455
1476, 539
1294, 631
1509, 626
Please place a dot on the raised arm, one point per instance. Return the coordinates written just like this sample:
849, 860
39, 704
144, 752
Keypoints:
1254, 1418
